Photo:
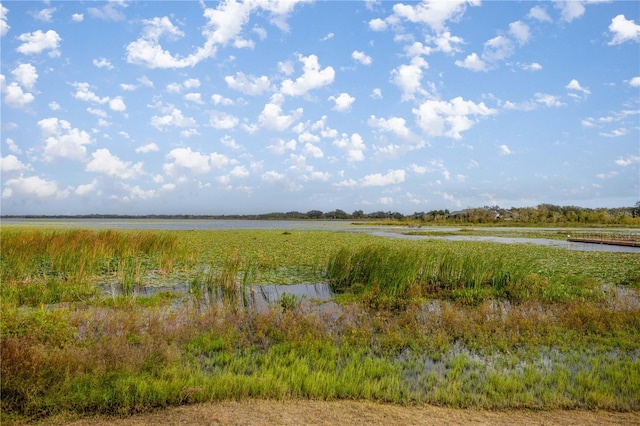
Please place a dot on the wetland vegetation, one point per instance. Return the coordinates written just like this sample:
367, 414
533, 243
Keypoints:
458, 324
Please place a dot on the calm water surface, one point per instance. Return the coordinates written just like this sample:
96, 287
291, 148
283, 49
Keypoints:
302, 225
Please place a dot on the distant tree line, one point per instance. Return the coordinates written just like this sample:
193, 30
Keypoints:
543, 213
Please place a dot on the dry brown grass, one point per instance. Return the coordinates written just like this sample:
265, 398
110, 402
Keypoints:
254, 412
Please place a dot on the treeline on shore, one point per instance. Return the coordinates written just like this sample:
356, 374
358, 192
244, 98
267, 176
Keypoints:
543, 213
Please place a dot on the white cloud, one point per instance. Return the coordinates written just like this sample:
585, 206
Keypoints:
607, 175
185, 160
128, 87
11, 163
117, 104
221, 120
26, 75
218, 99
15, 97
472, 62
570, 9
312, 78
446, 43
548, 100
54, 106
97, 112
343, 102
62, 140
77, 17
631, 159
84, 93
497, 49
520, 31
33, 186
615, 134
249, 85
434, 13
361, 57
353, 146
4, 27
539, 13
634, 82
102, 161
280, 146
38, 41
176, 118
442, 118
377, 24
534, 66
395, 125
12, 146
574, 86
86, 189
272, 117
150, 147
623, 30
329, 36
108, 12
194, 97
505, 150
43, 15
103, 63
409, 78
393, 177
376, 93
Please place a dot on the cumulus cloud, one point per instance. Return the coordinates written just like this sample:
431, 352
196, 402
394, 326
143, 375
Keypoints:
102, 161
63, 141
450, 118
313, 77
4, 26
11, 163
576, 90
26, 75
353, 146
520, 31
395, 125
623, 30
505, 150
343, 102
109, 12
408, 77
433, 13
539, 13
249, 85
361, 57
33, 186
634, 82
221, 120
223, 27
14, 96
150, 147
472, 62
184, 160
77, 17
570, 9
533, 66
38, 41
273, 118
175, 118
103, 63
392, 177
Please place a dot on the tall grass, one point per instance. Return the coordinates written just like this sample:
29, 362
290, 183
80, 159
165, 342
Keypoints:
55, 266
396, 274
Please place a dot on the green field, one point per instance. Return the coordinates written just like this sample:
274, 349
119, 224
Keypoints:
460, 324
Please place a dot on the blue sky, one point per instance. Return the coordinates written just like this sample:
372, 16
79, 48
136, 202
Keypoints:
250, 107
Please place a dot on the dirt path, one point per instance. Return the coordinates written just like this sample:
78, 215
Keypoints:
356, 413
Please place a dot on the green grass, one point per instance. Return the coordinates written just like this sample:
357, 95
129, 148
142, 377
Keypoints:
461, 324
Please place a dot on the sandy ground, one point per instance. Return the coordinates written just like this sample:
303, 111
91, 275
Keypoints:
356, 413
